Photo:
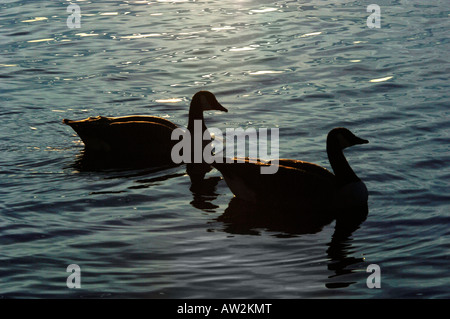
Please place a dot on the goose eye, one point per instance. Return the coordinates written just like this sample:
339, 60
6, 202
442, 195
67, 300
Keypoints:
343, 141
204, 102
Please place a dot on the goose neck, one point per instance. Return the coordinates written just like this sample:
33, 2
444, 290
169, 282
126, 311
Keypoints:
195, 114
342, 170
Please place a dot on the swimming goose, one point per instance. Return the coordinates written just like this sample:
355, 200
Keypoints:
147, 138
298, 183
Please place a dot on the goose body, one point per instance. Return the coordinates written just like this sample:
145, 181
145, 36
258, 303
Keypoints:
298, 183
147, 138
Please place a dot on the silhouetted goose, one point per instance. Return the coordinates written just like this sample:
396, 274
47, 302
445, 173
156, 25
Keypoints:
300, 184
147, 138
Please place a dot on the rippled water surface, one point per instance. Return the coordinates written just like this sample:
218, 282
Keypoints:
301, 66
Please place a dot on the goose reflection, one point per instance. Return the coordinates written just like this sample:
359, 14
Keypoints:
150, 175
340, 246
204, 193
242, 217
87, 161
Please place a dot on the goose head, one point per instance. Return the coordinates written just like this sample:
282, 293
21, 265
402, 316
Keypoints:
342, 138
351, 190
206, 101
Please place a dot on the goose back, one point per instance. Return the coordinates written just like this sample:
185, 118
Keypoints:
124, 134
295, 183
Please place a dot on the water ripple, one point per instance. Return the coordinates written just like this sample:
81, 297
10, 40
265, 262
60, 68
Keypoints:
303, 68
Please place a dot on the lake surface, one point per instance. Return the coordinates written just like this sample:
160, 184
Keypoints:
301, 66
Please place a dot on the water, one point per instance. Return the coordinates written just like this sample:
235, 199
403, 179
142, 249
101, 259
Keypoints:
301, 66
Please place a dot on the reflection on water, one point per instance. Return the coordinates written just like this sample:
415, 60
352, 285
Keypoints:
204, 193
340, 246
203, 189
92, 161
241, 217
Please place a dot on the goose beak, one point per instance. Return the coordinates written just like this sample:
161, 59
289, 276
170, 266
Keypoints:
219, 107
361, 141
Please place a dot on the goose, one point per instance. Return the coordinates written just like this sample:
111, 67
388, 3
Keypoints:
298, 183
145, 138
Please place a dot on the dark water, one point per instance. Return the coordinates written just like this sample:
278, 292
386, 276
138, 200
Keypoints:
301, 66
